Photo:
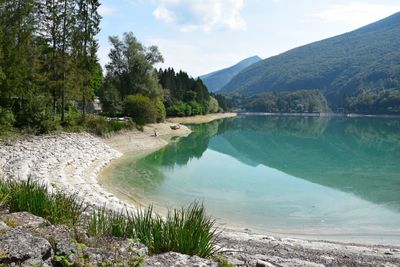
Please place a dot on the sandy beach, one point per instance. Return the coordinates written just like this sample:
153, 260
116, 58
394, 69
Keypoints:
71, 162
201, 118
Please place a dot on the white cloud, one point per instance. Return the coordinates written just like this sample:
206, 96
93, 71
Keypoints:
106, 10
356, 14
206, 15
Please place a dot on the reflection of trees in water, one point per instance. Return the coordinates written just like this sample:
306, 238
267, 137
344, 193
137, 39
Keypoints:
357, 155
283, 125
375, 129
182, 151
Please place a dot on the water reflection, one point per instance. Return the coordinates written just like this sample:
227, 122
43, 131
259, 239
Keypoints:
355, 155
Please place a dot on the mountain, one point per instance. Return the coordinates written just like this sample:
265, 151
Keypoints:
341, 67
218, 79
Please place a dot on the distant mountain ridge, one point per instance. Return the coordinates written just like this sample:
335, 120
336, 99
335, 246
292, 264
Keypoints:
367, 59
218, 79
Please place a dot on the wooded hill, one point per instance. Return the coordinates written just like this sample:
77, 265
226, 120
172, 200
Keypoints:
216, 80
346, 69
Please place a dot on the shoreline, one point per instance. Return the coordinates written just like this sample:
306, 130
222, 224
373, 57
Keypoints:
199, 119
74, 162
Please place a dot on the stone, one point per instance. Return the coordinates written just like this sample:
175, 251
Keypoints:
174, 259
261, 263
4, 227
20, 247
24, 220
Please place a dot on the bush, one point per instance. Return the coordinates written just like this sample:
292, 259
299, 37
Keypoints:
7, 120
189, 231
36, 114
180, 109
57, 208
161, 112
213, 106
102, 126
141, 109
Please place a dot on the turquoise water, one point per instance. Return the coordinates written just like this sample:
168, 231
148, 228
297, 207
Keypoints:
332, 177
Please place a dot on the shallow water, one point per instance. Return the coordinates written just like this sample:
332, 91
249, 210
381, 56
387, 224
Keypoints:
332, 177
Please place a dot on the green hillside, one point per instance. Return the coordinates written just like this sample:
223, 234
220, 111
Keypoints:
342, 68
218, 79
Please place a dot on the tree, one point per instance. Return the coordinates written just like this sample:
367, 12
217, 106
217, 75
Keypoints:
140, 108
131, 67
85, 47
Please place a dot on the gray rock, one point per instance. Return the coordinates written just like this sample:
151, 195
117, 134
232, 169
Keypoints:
19, 247
174, 259
261, 263
4, 227
25, 220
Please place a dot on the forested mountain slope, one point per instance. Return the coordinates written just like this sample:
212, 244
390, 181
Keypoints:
343, 68
218, 79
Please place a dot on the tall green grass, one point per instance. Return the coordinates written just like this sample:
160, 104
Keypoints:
187, 230
57, 208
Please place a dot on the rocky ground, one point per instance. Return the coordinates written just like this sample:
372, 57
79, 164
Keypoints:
260, 250
28, 240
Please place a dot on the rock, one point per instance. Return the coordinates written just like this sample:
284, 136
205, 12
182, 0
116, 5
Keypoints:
24, 220
20, 247
4, 227
174, 259
261, 263
237, 262
175, 127
101, 251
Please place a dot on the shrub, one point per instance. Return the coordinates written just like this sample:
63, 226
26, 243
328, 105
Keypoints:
197, 108
161, 112
34, 198
213, 106
102, 126
36, 114
188, 230
179, 109
7, 119
140, 108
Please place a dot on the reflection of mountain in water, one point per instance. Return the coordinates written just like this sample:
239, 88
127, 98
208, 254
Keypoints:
361, 156
355, 155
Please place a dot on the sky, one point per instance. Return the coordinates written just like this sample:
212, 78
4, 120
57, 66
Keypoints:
201, 36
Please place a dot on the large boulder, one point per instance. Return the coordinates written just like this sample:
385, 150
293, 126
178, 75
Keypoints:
24, 248
24, 220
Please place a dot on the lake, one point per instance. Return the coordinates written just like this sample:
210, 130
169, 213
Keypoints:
334, 178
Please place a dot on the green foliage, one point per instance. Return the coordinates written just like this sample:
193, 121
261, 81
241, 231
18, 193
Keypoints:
7, 119
375, 102
47, 58
102, 126
57, 208
367, 59
224, 103
188, 230
35, 113
222, 261
161, 112
185, 96
179, 109
285, 102
213, 106
110, 98
131, 67
141, 109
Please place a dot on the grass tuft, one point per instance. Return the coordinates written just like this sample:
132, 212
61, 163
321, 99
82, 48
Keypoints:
57, 208
187, 230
